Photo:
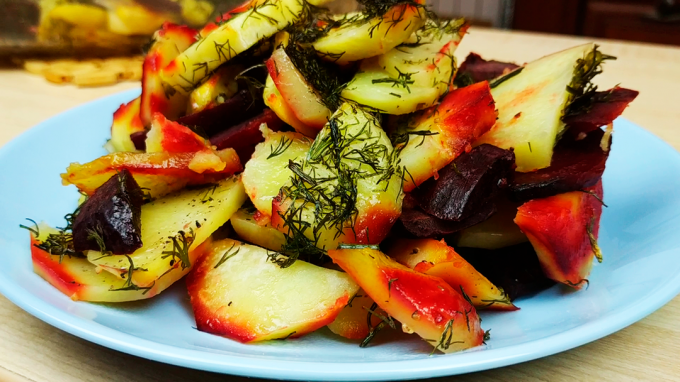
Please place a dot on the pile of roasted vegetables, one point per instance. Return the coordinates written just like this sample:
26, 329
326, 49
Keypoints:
306, 169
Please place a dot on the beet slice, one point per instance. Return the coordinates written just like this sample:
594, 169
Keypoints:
420, 224
233, 111
476, 69
139, 140
468, 184
113, 212
576, 165
516, 269
245, 136
591, 113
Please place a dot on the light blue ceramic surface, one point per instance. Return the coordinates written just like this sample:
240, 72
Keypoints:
639, 239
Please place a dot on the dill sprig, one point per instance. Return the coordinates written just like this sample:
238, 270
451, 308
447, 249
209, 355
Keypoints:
228, 254
593, 241
446, 339
578, 284
403, 80
281, 147
321, 76
500, 80
180, 248
322, 194
373, 330
129, 284
374, 9
97, 235
581, 88
60, 243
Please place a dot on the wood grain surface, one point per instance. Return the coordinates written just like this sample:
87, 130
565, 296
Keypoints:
31, 350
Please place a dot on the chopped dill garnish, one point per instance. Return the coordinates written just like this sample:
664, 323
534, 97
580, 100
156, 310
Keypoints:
446, 339
593, 241
180, 248
96, 235
581, 88
321, 197
129, 284
578, 284
321, 76
228, 254
283, 145
403, 80
487, 336
594, 195
35, 230
389, 287
359, 246
60, 243
500, 80
373, 330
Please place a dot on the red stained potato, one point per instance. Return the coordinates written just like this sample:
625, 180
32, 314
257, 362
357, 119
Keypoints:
160, 173
219, 87
238, 293
562, 230
82, 281
435, 258
424, 304
296, 92
126, 121
169, 42
274, 99
265, 173
463, 116
171, 137
352, 322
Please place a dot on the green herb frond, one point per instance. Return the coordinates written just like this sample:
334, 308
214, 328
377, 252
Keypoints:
129, 284
446, 339
228, 254
590, 228
582, 88
323, 187
403, 80
60, 243
181, 243
373, 330
281, 147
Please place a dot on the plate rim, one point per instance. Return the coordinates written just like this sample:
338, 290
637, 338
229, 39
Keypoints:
438, 366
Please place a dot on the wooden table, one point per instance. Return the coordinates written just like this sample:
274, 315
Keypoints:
649, 350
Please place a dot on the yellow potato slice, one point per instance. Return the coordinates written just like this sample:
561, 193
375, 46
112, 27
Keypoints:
196, 213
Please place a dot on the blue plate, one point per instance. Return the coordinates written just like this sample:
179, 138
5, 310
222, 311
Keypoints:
641, 272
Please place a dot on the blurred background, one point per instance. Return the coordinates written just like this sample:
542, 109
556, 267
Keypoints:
33, 31
100, 27
653, 21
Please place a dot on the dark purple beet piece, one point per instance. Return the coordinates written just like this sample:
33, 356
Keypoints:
114, 213
233, 111
479, 69
245, 136
139, 140
576, 165
467, 184
516, 269
591, 113
419, 224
